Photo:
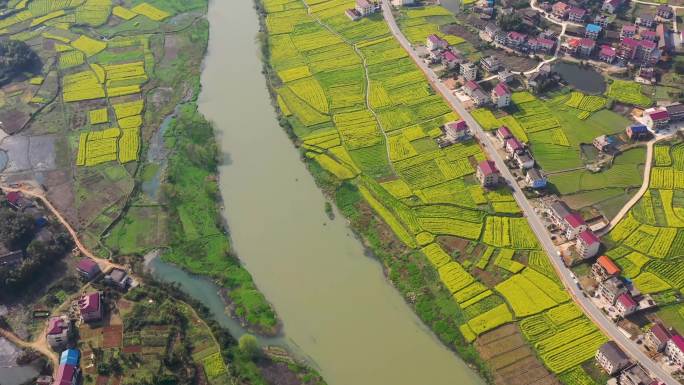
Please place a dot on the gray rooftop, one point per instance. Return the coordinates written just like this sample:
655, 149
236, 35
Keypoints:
560, 209
614, 354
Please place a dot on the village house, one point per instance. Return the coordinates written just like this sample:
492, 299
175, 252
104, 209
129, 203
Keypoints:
537, 79
513, 146
611, 6
557, 210
628, 30
505, 75
490, 64
524, 160
491, 30
401, 3
487, 173
674, 349
468, 71
451, 60
353, 14
645, 20
604, 143
611, 358
18, 200
57, 333
67, 375
602, 20
588, 244
656, 118
675, 111
365, 7
604, 268
560, 10
435, 42
87, 269
638, 132
649, 35
607, 54
117, 277
70, 357
503, 133
501, 95
90, 307
657, 337
592, 31
573, 224
664, 11
610, 289
515, 39
636, 375
625, 304
473, 90
576, 15
501, 38
586, 47
663, 41
535, 179
545, 45
456, 131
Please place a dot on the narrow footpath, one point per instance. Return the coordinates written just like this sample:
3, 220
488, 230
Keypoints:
593, 312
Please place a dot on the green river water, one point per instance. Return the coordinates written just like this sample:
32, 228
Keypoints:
337, 308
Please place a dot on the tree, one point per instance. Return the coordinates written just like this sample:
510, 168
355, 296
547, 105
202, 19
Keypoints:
511, 22
16, 228
248, 346
15, 57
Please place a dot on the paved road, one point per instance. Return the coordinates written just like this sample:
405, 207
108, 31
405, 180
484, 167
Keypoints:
608, 327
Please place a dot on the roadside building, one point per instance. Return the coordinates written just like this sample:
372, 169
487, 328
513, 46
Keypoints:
656, 118
611, 358
588, 244
501, 95
90, 307
513, 146
490, 64
604, 268
607, 54
576, 15
473, 90
628, 30
657, 337
586, 47
675, 111
515, 39
87, 269
636, 375
625, 304
503, 133
557, 211
627, 49
456, 131
451, 60
637, 132
500, 38
592, 31
560, 10
611, 6
505, 75
435, 42
487, 173
664, 11
574, 224
645, 20
535, 179
57, 333
401, 3
524, 160
611, 289
674, 349
468, 71
118, 278
604, 143
67, 375
70, 357
545, 45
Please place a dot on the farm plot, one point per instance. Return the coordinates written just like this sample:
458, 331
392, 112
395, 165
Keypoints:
628, 92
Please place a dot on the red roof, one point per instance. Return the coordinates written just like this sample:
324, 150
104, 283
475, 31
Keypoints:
504, 132
435, 39
660, 332
607, 50
577, 11
575, 220
574, 42
647, 33
87, 265
560, 6
13, 197
647, 44
546, 42
363, 3
629, 28
501, 89
56, 325
457, 126
659, 115
589, 237
626, 300
449, 56
65, 375
587, 42
678, 341
516, 35
514, 144
629, 42
89, 303
608, 265
488, 167
471, 85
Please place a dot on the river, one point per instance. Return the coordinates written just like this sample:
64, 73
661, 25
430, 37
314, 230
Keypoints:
334, 300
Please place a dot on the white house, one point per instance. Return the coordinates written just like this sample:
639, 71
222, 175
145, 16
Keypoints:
435, 42
674, 349
501, 95
587, 244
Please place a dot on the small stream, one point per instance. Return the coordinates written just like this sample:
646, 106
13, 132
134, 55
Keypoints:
157, 156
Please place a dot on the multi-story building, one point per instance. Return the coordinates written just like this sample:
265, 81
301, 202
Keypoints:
57, 333
611, 6
90, 307
468, 71
503, 133
675, 111
586, 47
610, 289
501, 95
604, 268
487, 173
473, 90
490, 64
607, 54
625, 304
657, 337
524, 160
365, 7
560, 10
513, 146
656, 118
592, 31
87, 269
628, 30
674, 349
636, 375
576, 15
435, 42
645, 20
664, 11
515, 39
535, 179
611, 358
588, 244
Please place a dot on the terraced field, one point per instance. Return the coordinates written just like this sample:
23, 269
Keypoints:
367, 121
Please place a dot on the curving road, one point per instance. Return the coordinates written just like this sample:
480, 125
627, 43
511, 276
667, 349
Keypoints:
594, 313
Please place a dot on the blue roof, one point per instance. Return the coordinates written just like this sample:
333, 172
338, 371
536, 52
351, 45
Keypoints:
70, 357
638, 128
593, 28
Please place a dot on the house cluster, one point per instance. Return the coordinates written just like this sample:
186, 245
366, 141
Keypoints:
658, 118
362, 9
666, 341
619, 298
517, 152
573, 227
544, 43
615, 362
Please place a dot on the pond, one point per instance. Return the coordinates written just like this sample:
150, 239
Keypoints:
10, 372
586, 80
